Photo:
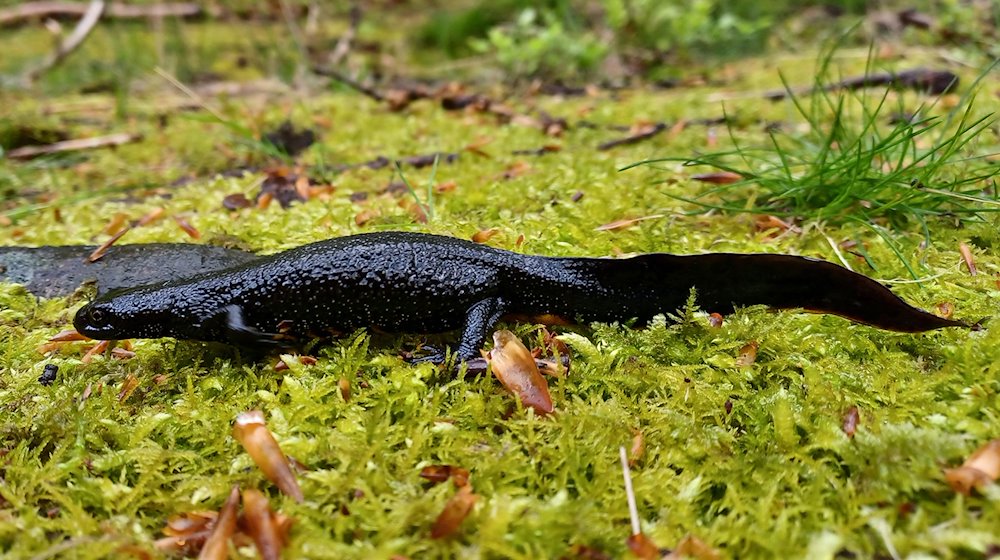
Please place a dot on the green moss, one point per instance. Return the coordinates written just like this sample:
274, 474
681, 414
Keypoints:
775, 476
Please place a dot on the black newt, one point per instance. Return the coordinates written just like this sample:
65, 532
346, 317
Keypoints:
411, 282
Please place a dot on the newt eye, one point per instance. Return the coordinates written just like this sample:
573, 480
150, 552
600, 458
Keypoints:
97, 315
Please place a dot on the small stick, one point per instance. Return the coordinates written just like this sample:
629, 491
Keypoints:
331, 73
71, 43
970, 262
189, 92
344, 44
633, 511
635, 138
29, 152
33, 10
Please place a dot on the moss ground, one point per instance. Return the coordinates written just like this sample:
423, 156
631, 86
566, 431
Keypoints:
84, 472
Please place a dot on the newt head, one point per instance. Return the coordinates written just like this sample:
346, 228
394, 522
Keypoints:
128, 314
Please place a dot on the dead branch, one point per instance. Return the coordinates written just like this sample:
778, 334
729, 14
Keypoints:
350, 82
71, 43
646, 134
344, 44
29, 152
933, 82
117, 10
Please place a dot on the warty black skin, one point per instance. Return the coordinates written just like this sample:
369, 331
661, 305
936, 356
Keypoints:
411, 282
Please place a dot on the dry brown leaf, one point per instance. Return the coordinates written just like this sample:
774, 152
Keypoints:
484, 235
454, 513
764, 223
440, 473
643, 547
980, 469
128, 387
476, 146
365, 216
970, 262
116, 224
692, 547
718, 177
260, 444
945, 309
103, 248
517, 169
445, 187
264, 201
97, 349
150, 217
261, 526
345, 389
748, 354
187, 228
217, 545
638, 448
851, 419
625, 223
69, 335
675, 130
515, 367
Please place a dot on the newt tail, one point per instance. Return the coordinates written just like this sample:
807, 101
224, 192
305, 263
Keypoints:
409, 282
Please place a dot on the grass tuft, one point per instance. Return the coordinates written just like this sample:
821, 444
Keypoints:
858, 159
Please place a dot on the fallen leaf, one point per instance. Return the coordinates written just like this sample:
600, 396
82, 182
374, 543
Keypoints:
454, 513
445, 187
345, 389
97, 349
260, 444
103, 248
979, 470
482, 236
718, 177
440, 473
945, 309
128, 387
851, 421
217, 545
476, 146
517, 169
692, 547
365, 216
69, 335
150, 217
625, 223
116, 224
642, 547
748, 354
261, 526
515, 367
584, 552
970, 262
236, 201
638, 448
187, 228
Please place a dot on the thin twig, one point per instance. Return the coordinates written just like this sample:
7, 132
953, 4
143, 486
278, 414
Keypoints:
117, 10
344, 44
633, 511
29, 152
353, 84
189, 92
634, 138
298, 37
71, 43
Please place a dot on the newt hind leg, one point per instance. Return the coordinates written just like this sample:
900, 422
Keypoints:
479, 318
